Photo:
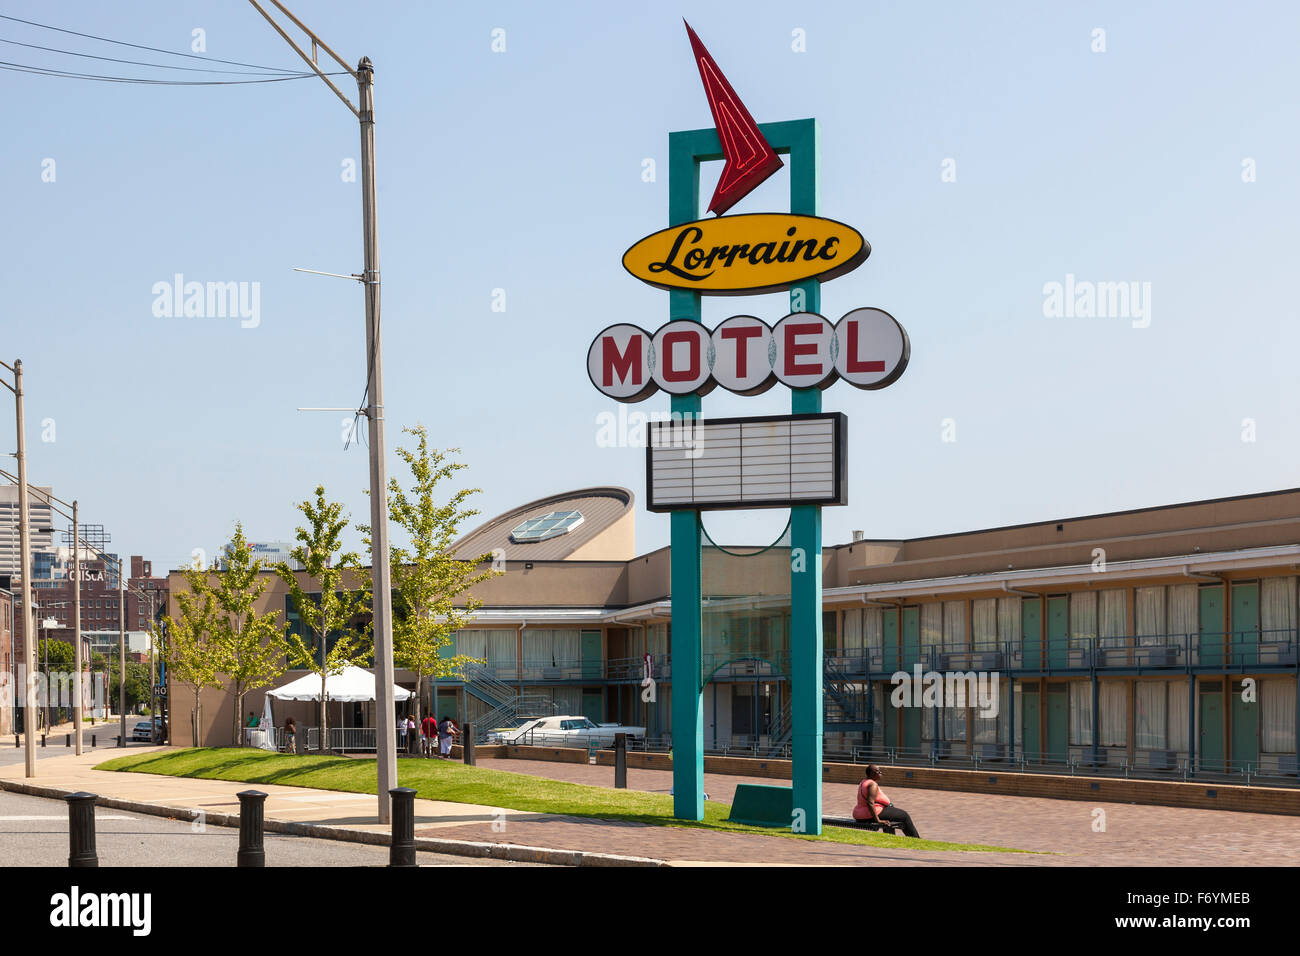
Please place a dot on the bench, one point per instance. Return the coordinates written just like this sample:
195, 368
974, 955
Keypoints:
884, 825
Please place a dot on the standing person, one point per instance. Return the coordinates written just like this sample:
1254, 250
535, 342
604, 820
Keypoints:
449, 731
290, 737
429, 729
401, 733
412, 735
873, 805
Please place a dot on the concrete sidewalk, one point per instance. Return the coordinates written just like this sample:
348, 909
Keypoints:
307, 811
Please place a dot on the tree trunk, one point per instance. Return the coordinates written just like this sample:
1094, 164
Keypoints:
324, 717
239, 716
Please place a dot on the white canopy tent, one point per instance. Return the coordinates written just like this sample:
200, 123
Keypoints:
353, 684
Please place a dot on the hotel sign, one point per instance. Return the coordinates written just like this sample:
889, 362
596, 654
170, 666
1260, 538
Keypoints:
771, 461
746, 254
866, 348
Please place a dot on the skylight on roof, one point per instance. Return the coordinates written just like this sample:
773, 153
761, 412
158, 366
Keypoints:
546, 526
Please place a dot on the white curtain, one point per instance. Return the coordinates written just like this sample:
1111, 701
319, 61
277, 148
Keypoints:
1177, 715
954, 723
1080, 712
984, 621
1113, 700
1277, 698
932, 624
1009, 618
496, 647
954, 625
550, 648
656, 639
1083, 618
1277, 608
1183, 614
873, 627
853, 631
1112, 624
1149, 613
1151, 723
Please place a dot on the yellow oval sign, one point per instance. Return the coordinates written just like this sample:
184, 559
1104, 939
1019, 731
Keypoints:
746, 254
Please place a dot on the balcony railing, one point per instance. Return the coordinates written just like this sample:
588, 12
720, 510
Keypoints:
1231, 651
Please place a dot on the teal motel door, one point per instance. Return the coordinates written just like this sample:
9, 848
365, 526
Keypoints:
592, 655
1245, 728
1211, 631
911, 636
1028, 716
1058, 632
593, 705
1245, 627
1031, 643
911, 654
890, 639
1210, 750
1058, 721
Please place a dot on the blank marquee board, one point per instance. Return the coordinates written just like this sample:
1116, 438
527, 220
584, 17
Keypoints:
771, 461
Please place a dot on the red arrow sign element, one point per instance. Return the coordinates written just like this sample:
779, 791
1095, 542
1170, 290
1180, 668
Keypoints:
750, 158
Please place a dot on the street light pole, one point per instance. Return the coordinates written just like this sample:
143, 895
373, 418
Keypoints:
121, 651
25, 557
78, 689
382, 599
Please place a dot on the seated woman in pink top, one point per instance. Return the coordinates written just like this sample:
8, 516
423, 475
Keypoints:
875, 806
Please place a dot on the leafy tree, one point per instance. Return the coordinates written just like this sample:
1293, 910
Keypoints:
61, 654
426, 578
335, 612
189, 652
249, 646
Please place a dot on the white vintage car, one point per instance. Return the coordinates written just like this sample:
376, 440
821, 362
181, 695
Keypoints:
564, 731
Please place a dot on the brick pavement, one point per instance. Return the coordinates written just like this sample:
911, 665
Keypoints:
1134, 835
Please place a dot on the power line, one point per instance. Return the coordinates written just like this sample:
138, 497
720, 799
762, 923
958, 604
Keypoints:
139, 46
112, 59
48, 71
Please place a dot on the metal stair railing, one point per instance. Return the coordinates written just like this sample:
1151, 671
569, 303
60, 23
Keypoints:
484, 685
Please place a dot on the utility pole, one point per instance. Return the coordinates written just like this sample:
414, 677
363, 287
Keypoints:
78, 689
381, 591
25, 556
121, 651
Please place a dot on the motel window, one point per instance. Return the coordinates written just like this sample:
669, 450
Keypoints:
954, 625
1009, 619
1152, 716
1149, 615
1080, 713
1113, 702
1277, 710
932, 624
984, 621
1277, 608
1083, 618
1184, 609
1112, 623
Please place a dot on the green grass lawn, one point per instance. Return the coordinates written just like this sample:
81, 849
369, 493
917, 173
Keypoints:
458, 783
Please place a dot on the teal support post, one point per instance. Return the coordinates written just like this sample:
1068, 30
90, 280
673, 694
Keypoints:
686, 150
806, 658
685, 580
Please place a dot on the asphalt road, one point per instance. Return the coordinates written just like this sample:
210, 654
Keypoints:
34, 832
105, 736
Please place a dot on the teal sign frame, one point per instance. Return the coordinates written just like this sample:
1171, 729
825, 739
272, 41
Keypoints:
687, 149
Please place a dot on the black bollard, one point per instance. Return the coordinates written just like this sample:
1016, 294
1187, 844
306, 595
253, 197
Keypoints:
42, 740
67, 741
252, 851
467, 747
620, 761
92, 741
16, 743
81, 829
401, 852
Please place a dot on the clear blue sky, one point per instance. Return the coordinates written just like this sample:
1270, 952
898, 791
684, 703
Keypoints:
522, 171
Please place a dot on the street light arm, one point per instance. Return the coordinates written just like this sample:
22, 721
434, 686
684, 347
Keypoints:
306, 59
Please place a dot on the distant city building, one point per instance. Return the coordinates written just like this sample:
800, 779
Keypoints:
270, 553
40, 515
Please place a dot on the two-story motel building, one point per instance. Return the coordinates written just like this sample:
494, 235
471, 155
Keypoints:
1136, 639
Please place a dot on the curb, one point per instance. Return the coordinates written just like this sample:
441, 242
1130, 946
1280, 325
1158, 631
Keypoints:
513, 852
